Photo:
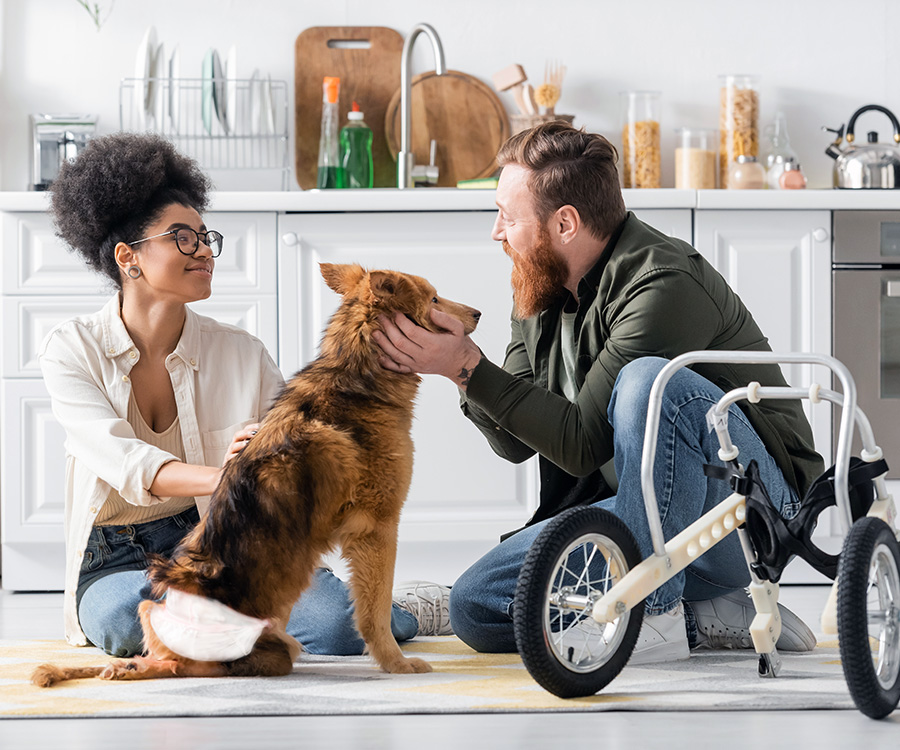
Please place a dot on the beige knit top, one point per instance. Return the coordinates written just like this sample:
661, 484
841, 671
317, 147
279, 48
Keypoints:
117, 511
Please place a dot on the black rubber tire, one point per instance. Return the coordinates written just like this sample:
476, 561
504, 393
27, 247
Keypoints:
867, 536
533, 592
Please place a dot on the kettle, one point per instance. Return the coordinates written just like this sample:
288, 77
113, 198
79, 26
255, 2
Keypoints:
870, 165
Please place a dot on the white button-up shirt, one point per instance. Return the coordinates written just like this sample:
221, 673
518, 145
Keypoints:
223, 379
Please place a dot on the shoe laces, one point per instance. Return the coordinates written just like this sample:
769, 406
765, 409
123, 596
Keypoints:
431, 610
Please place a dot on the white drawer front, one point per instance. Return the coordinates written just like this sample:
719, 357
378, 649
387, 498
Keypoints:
257, 315
36, 261
247, 262
27, 321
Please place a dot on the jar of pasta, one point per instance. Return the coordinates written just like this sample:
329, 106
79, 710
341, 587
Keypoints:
696, 158
738, 121
640, 139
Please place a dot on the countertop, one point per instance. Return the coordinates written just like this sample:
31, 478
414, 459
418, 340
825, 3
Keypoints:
452, 199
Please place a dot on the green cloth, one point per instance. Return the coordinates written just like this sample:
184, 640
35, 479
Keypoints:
648, 295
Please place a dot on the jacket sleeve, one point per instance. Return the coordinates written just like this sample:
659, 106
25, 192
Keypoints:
95, 434
516, 364
651, 319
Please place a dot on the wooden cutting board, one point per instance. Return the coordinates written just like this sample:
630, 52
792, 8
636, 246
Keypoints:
368, 75
464, 116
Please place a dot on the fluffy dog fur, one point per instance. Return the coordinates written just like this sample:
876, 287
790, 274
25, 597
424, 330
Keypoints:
330, 466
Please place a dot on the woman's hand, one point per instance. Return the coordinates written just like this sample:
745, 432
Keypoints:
239, 441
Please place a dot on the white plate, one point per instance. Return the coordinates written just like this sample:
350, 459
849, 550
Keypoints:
219, 91
231, 87
143, 62
157, 74
268, 107
208, 91
174, 86
255, 102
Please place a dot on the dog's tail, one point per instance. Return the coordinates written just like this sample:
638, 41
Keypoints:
48, 675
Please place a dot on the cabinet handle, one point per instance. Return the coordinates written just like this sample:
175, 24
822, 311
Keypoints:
290, 239
820, 234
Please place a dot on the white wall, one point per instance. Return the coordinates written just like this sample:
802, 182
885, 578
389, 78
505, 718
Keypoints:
819, 59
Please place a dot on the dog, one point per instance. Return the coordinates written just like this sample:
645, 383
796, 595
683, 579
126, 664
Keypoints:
329, 466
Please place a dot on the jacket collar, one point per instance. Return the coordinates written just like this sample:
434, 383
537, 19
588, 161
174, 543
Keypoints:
116, 340
590, 282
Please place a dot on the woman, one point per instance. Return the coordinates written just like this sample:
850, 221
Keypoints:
154, 398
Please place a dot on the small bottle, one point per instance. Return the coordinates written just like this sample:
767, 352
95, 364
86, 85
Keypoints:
746, 173
356, 151
331, 173
792, 178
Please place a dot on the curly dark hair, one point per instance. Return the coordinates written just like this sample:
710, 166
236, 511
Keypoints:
116, 188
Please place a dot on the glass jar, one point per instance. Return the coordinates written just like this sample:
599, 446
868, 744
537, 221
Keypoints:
640, 139
746, 173
738, 121
792, 178
696, 158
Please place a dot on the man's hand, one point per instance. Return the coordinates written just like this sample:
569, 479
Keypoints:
410, 348
239, 441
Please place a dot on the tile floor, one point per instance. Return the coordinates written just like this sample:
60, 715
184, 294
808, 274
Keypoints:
39, 616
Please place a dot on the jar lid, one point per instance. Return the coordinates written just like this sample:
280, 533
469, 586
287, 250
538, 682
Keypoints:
745, 158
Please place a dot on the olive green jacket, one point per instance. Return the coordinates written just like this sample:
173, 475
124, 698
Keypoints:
648, 295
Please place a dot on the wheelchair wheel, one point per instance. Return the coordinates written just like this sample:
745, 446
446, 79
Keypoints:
869, 616
579, 556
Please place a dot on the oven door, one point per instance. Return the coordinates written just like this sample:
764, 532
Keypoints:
867, 340
867, 237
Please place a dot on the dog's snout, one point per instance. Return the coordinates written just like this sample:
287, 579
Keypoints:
476, 314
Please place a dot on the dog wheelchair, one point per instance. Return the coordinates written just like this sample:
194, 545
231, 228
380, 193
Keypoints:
580, 594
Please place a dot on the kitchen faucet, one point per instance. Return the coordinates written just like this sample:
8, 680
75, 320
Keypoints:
406, 159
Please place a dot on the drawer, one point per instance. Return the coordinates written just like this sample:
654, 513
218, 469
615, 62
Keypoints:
27, 320
36, 261
257, 315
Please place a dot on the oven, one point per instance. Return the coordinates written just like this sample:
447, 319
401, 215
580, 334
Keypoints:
866, 319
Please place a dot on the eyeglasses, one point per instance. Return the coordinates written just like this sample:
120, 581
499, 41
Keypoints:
188, 240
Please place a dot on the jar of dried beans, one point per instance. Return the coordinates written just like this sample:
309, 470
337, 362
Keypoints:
640, 139
738, 121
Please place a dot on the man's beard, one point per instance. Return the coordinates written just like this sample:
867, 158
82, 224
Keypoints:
538, 278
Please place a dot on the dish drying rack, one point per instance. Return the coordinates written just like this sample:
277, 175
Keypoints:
250, 133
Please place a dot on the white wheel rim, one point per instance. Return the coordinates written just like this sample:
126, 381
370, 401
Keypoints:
577, 641
883, 615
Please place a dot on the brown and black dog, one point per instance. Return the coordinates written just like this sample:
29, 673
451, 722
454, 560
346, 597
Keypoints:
330, 466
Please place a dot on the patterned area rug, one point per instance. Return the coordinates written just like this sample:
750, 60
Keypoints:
463, 681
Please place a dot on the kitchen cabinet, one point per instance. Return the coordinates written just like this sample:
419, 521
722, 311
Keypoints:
44, 284
779, 263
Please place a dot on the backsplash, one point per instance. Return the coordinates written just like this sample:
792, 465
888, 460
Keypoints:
52, 59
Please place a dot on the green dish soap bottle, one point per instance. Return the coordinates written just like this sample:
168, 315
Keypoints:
331, 173
356, 151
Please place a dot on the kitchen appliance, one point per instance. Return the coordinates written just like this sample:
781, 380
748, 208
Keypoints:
56, 139
871, 165
866, 318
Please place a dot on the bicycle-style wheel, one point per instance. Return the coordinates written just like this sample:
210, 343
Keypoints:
576, 559
869, 616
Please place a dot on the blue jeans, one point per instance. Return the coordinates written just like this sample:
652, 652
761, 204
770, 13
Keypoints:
481, 601
113, 583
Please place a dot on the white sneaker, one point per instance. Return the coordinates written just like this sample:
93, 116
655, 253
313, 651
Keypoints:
428, 602
662, 638
724, 622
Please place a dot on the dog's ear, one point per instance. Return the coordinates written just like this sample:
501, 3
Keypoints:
341, 277
387, 286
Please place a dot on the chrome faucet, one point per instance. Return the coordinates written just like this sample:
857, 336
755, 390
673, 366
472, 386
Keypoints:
405, 159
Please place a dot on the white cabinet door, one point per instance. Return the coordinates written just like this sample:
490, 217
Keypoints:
675, 222
779, 263
32, 485
462, 495
36, 261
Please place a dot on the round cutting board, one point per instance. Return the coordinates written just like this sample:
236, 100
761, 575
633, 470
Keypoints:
464, 116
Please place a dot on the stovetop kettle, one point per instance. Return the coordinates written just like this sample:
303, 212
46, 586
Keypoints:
870, 165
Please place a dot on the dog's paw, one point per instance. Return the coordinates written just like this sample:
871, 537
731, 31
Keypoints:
120, 670
408, 666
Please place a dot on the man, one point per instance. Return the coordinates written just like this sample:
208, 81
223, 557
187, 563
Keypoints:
602, 301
